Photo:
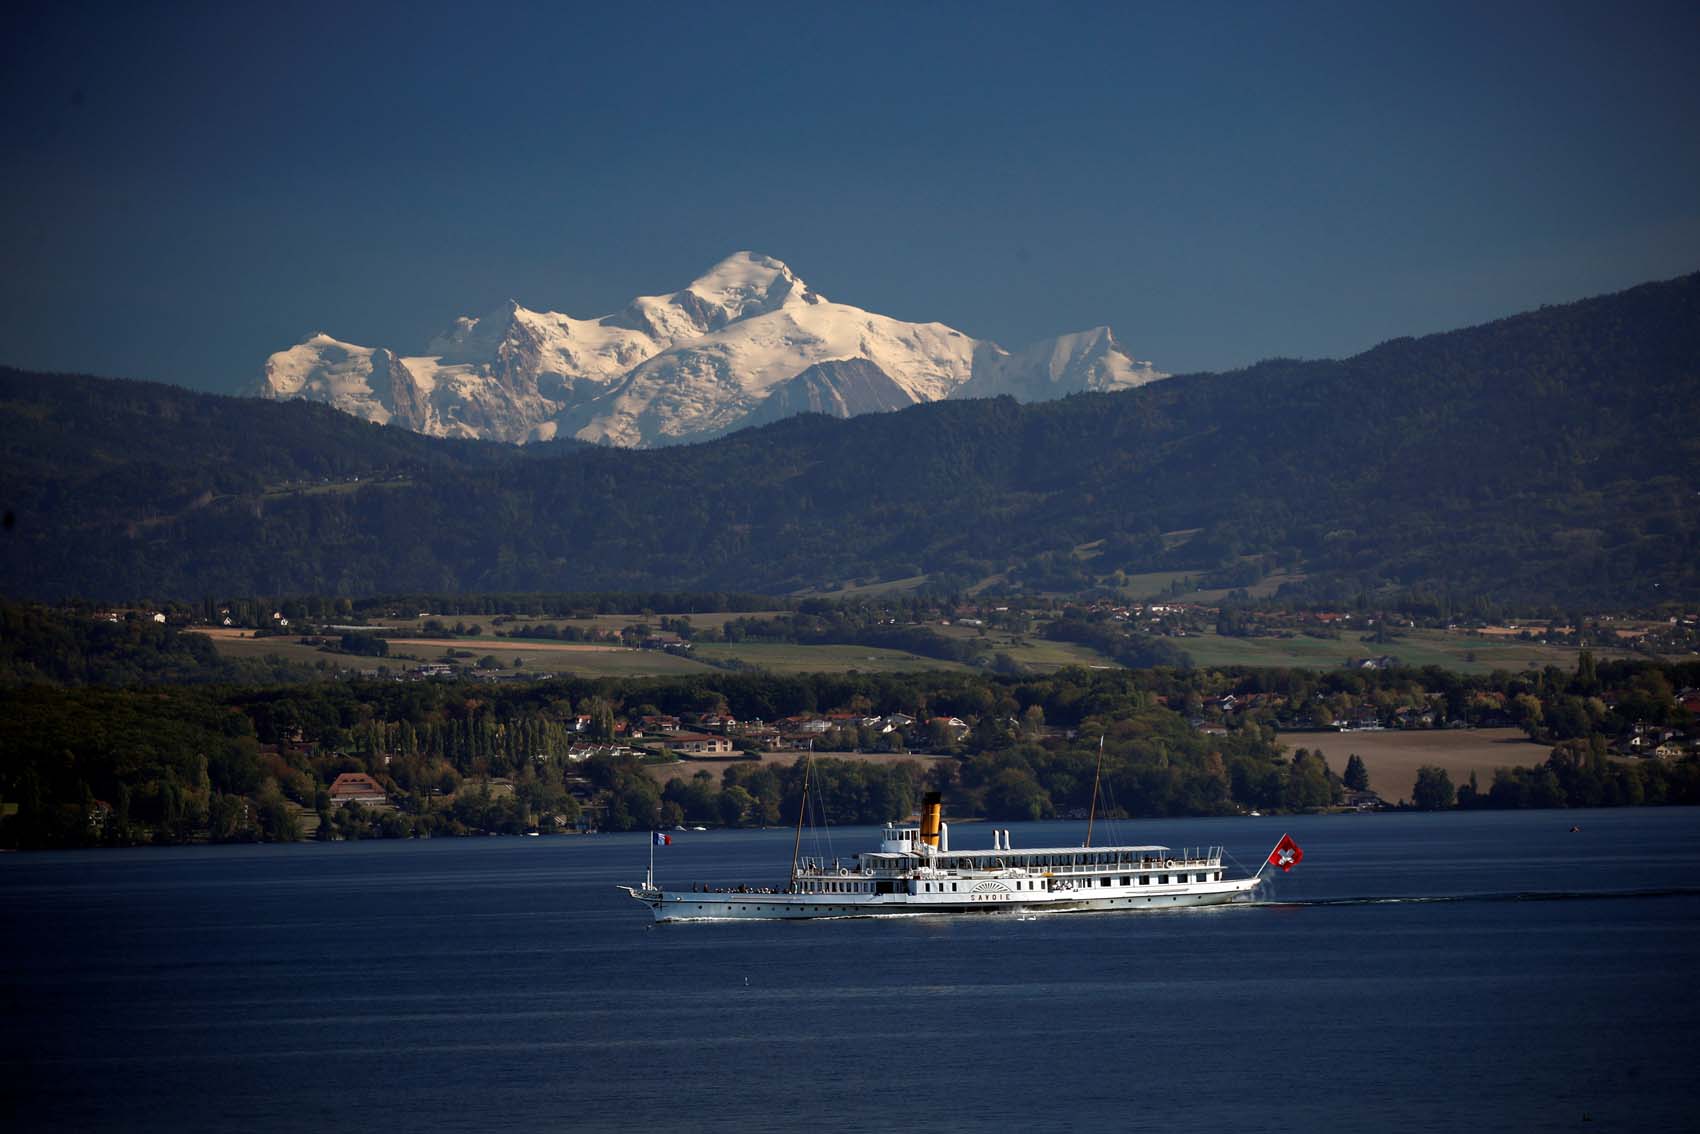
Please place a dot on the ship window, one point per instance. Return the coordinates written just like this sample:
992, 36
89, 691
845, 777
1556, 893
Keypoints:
1104, 881
1126, 881
1163, 880
1145, 879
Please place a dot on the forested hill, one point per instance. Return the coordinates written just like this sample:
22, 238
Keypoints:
1544, 459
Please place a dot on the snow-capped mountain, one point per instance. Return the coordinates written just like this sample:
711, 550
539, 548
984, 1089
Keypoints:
745, 343
1067, 364
844, 388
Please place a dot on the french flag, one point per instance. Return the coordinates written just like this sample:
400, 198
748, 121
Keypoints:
662, 840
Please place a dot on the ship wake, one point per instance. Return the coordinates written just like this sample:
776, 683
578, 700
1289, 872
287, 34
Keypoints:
1509, 896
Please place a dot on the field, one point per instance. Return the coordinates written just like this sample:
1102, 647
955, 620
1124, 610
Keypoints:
534, 656
1393, 757
866, 590
1261, 589
783, 657
239, 644
1040, 654
1045, 655
552, 657
587, 659
1455, 651
613, 623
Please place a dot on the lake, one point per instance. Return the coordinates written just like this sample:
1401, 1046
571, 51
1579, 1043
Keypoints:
1416, 972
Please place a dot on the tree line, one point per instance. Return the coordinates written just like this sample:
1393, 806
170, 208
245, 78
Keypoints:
131, 731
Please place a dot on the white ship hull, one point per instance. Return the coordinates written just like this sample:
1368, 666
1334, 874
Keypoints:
731, 906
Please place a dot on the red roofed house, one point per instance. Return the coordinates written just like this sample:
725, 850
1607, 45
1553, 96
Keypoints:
356, 787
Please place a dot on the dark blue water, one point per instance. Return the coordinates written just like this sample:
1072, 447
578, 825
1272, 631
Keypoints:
1527, 978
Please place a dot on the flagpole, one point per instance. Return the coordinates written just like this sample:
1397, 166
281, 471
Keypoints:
649, 881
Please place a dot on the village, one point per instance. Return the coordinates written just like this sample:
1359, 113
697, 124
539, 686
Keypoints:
434, 746
699, 746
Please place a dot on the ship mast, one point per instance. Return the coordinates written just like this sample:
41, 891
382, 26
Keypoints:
1097, 773
802, 810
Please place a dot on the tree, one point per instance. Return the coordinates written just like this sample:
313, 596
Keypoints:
1015, 794
735, 803
1356, 776
601, 720
1527, 710
1033, 722
278, 822
1433, 790
1307, 781
1587, 673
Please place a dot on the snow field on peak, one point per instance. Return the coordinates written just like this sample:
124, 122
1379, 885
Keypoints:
320, 365
672, 396
674, 367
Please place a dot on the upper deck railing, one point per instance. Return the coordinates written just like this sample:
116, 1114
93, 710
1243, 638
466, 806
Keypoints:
1041, 861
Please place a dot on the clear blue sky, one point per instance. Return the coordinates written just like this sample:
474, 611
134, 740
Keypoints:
187, 188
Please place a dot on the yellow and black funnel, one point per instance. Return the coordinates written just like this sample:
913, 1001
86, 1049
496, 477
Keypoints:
931, 807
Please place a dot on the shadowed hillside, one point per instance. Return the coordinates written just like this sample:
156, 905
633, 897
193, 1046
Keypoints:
1543, 459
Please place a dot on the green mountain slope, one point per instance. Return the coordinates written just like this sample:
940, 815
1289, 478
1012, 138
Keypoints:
1547, 458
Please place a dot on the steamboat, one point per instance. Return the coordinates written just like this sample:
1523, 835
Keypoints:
915, 871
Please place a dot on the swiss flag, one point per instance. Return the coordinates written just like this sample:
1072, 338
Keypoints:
1286, 854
